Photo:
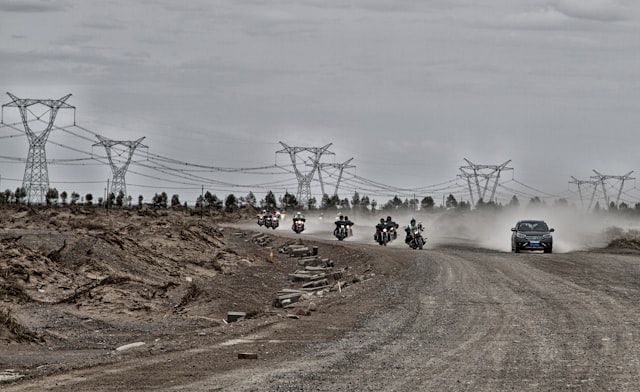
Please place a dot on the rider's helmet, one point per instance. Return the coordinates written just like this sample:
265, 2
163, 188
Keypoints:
341, 217
346, 218
389, 219
413, 221
382, 220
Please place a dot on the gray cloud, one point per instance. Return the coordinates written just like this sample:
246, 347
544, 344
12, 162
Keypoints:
32, 6
594, 10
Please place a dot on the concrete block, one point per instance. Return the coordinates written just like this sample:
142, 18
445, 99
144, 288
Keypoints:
235, 316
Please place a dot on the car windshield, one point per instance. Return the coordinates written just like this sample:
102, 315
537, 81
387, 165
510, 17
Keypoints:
532, 226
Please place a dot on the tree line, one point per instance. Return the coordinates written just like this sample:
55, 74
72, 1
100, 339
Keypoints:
289, 202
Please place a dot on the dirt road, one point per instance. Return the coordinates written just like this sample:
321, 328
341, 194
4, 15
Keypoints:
449, 318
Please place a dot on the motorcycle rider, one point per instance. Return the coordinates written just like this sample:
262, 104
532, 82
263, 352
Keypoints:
349, 224
339, 221
298, 217
379, 227
411, 228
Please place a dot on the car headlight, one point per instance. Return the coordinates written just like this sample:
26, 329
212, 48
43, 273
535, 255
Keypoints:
546, 236
520, 235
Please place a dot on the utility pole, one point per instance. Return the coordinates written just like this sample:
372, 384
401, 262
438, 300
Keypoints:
603, 177
36, 174
340, 167
304, 180
488, 172
119, 184
583, 182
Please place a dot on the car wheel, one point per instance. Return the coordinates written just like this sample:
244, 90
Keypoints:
516, 249
548, 250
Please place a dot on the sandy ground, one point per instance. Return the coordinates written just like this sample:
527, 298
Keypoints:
139, 300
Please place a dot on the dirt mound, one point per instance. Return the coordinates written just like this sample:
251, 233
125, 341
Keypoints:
124, 263
623, 240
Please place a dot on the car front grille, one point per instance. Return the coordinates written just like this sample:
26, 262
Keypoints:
534, 237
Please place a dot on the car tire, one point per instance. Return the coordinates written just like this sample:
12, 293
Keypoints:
548, 250
516, 249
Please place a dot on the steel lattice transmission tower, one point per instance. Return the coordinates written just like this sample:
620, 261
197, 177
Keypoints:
36, 175
119, 184
587, 182
603, 177
339, 166
304, 180
487, 172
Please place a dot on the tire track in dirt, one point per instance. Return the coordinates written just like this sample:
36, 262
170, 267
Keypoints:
465, 319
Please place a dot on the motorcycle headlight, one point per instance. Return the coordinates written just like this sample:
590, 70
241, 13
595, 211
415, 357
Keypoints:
520, 235
385, 230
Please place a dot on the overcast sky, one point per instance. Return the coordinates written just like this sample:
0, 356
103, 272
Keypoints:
406, 88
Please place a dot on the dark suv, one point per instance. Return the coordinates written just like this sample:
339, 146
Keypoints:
531, 235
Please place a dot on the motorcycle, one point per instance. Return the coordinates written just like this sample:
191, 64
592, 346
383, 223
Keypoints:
260, 220
341, 232
382, 236
275, 222
298, 226
416, 240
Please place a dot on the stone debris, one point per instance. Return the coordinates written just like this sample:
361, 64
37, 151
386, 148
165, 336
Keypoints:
315, 274
235, 316
9, 375
247, 356
130, 346
261, 239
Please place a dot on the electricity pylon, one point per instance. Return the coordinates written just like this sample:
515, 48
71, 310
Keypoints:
588, 182
36, 175
304, 180
603, 177
487, 172
340, 166
119, 185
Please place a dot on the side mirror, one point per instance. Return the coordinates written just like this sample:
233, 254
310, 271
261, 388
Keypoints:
551, 230
513, 229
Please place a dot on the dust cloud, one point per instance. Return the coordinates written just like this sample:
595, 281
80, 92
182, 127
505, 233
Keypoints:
488, 229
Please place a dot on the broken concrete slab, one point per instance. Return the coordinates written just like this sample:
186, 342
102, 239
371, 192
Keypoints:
235, 316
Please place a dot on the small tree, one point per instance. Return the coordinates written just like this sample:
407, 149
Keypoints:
8, 195
175, 201
89, 198
52, 196
365, 202
289, 201
74, 197
451, 201
63, 196
230, 203
270, 202
427, 203
20, 194
312, 203
164, 200
120, 199
355, 200
250, 199
111, 199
